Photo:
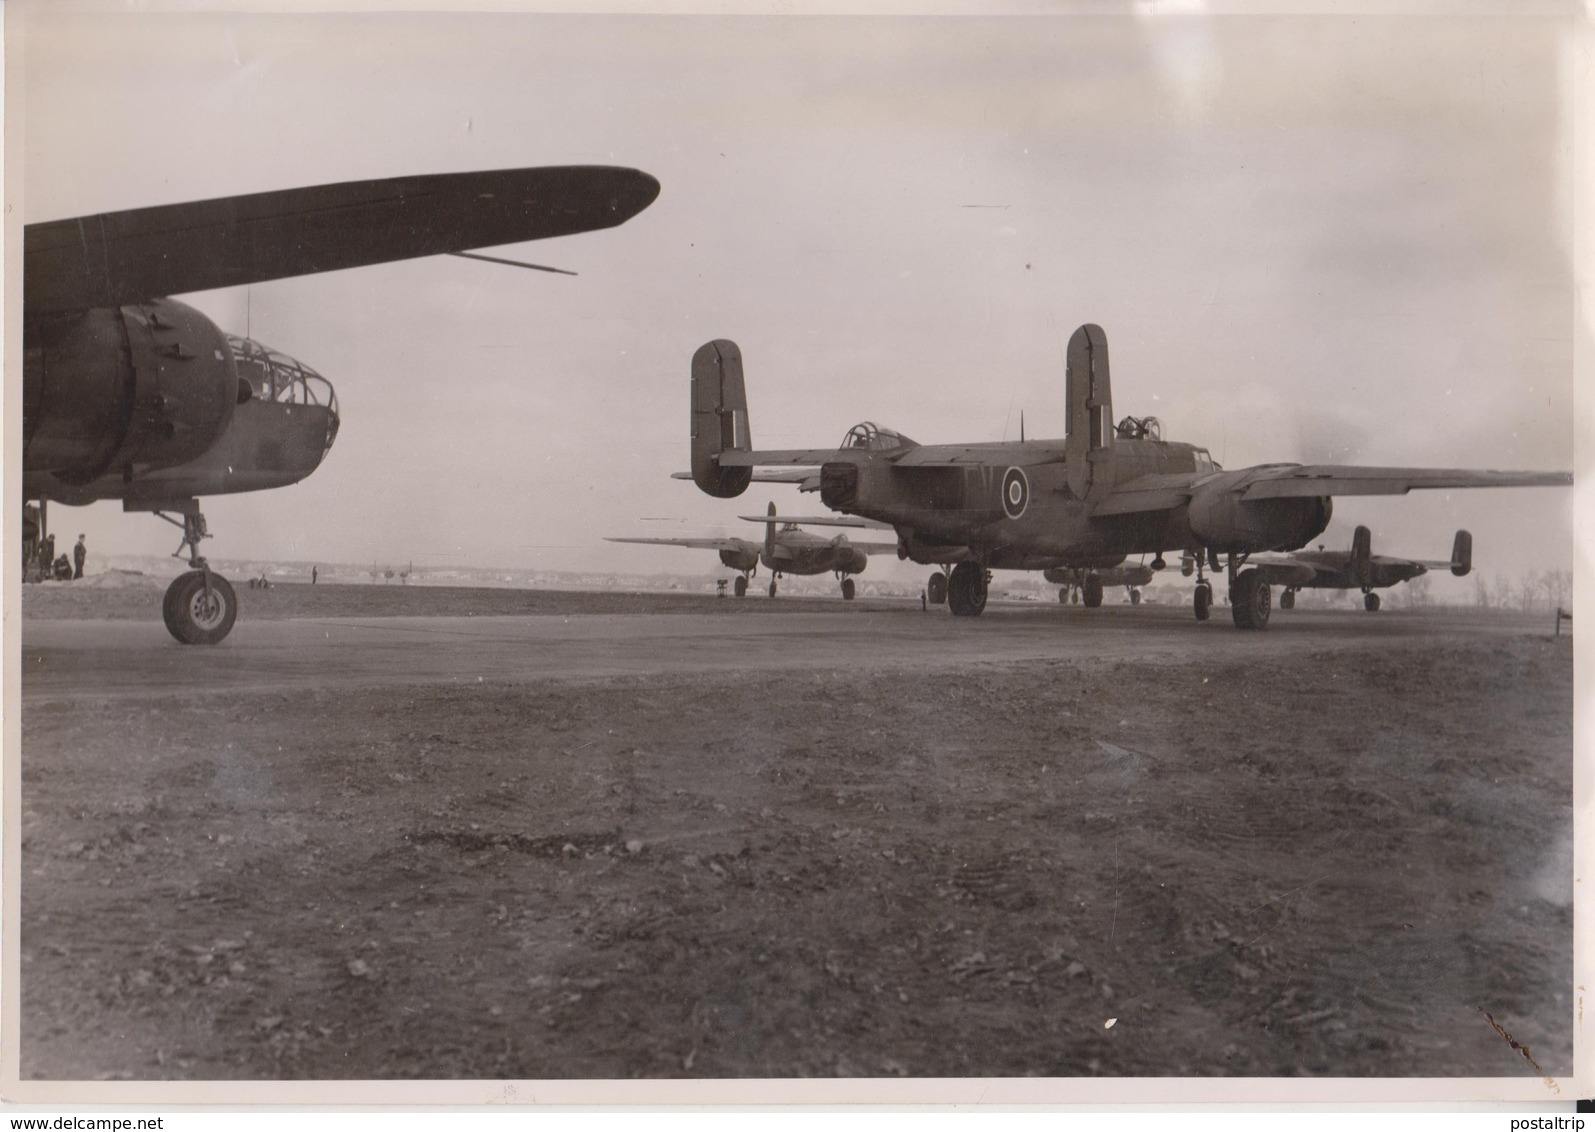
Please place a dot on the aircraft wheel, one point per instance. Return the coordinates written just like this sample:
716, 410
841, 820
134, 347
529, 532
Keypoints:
936, 588
1074, 595
847, 589
1063, 595
1250, 600
194, 617
1287, 600
1092, 591
966, 590
772, 587
1135, 597
1203, 601
1370, 602
740, 587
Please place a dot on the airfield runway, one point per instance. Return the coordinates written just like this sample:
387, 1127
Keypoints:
580, 835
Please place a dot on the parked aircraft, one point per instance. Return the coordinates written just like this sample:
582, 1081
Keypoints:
129, 395
787, 549
1356, 569
1084, 502
1086, 587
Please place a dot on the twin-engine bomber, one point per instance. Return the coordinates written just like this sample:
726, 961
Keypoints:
1086, 502
130, 395
787, 549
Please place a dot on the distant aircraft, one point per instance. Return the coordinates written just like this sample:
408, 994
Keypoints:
787, 550
1084, 502
129, 395
1086, 586
1356, 569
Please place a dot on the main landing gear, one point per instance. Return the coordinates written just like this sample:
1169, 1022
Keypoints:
936, 588
1250, 598
1370, 601
966, 589
740, 586
1287, 599
200, 606
848, 589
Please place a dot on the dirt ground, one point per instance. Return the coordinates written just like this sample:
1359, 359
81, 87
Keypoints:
1347, 854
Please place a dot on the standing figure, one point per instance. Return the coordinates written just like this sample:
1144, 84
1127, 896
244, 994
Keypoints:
312, 575
80, 553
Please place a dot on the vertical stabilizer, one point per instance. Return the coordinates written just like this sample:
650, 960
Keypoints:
1360, 566
1090, 410
1462, 554
769, 538
719, 418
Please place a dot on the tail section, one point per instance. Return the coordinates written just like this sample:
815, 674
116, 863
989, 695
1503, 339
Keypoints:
1090, 411
719, 418
1361, 564
1462, 554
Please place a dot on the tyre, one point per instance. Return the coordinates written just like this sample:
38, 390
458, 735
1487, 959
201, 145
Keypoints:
936, 588
772, 587
1287, 600
966, 590
1250, 600
1135, 597
847, 589
1370, 602
1202, 601
195, 616
1091, 595
740, 587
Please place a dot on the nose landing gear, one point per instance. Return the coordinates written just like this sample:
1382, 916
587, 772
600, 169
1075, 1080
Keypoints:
200, 606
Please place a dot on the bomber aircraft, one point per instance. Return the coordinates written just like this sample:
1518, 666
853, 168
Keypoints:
1086, 586
1356, 569
787, 550
1084, 502
130, 395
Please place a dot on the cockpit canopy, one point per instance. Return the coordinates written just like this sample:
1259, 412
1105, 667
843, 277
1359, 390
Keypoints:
278, 378
869, 435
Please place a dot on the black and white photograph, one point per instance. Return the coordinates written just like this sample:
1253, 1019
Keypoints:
574, 552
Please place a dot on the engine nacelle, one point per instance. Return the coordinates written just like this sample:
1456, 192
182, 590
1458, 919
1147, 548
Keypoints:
1221, 520
856, 561
130, 389
742, 561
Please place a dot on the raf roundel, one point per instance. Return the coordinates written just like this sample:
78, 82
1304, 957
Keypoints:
1015, 493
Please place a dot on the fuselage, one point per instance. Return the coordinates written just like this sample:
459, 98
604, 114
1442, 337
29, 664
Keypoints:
151, 403
1025, 515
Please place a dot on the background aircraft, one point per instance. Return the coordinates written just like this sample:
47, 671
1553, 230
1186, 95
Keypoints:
786, 549
1100, 494
1357, 569
1086, 585
131, 395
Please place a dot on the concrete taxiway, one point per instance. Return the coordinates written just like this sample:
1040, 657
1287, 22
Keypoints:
116, 658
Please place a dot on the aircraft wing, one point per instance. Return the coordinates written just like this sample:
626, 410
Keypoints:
695, 543
874, 547
1274, 481
124, 257
797, 475
821, 521
1284, 480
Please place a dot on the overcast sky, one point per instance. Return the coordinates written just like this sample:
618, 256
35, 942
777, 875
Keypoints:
1309, 239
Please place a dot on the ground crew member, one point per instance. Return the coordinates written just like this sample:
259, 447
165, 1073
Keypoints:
80, 553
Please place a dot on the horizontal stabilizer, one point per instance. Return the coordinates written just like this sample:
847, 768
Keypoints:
117, 258
1148, 493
